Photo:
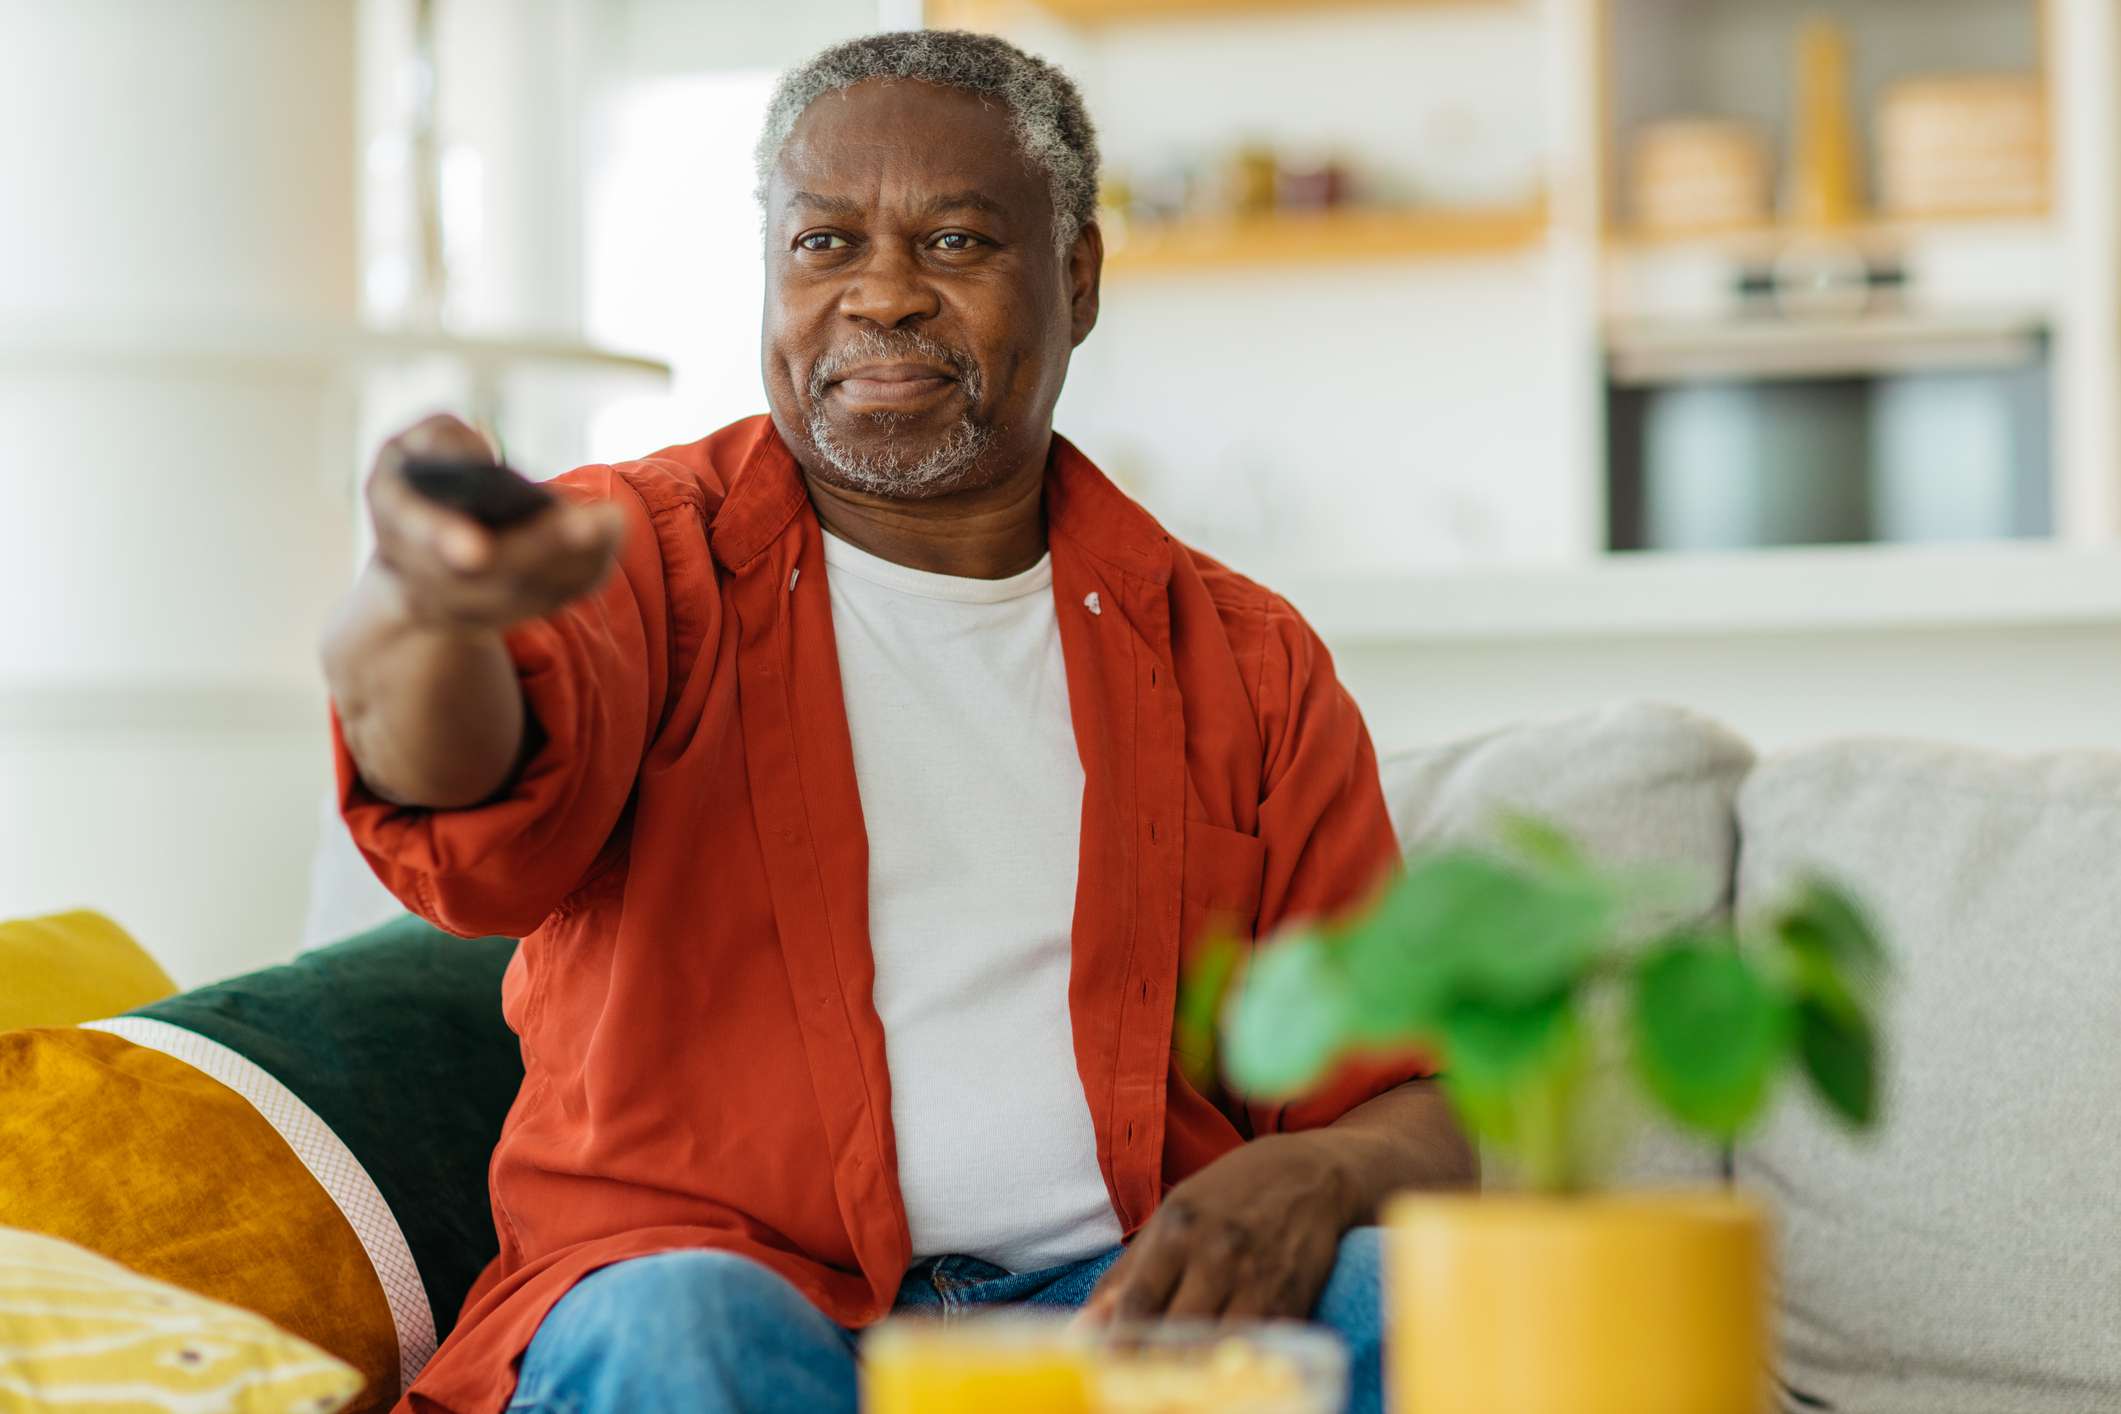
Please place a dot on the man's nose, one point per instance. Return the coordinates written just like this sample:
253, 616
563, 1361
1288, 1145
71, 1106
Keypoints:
889, 289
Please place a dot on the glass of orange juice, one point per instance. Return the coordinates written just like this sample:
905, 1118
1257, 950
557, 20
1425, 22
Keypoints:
1219, 1367
985, 1365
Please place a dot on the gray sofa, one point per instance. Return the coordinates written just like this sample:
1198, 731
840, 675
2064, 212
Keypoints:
1967, 1258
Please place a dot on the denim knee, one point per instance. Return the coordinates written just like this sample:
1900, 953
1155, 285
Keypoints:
1352, 1307
690, 1330
671, 1298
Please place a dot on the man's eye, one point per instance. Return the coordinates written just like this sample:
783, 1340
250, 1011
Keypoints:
821, 240
956, 240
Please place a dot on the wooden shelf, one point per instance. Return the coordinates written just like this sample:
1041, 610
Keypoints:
1873, 232
976, 14
1345, 236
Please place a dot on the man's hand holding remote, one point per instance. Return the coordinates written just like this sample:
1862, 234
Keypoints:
427, 696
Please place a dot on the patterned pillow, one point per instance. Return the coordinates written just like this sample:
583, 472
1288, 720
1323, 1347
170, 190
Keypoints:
308, 1142
80, 1333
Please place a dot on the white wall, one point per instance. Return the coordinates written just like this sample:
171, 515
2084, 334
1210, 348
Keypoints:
178, 179
665, 38
1360, 420
1367, 417
2011, 689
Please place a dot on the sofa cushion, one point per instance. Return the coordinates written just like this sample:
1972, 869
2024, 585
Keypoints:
396, 1040
309, 1141
1635, 784
82, 1333
69, 967
156, 1164
1966, 1259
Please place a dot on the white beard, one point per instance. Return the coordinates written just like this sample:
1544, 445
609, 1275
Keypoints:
889, 472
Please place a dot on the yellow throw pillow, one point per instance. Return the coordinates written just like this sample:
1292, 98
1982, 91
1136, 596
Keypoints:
141, 1156
83, 1334
73, 967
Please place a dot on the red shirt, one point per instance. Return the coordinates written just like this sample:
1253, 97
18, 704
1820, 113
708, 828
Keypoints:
685, 861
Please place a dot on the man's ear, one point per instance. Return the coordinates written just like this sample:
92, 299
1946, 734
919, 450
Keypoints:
1086, 268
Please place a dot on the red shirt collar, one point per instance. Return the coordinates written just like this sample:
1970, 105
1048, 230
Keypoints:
1083, 507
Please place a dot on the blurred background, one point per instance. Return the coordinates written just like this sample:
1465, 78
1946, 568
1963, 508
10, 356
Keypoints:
1759, 355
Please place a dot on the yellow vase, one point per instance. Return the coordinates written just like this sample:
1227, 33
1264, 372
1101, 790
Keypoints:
1626, 1304
975, 1367
1826, 165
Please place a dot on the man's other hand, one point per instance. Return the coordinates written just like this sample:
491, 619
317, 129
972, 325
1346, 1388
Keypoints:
452, 572
1254, 1234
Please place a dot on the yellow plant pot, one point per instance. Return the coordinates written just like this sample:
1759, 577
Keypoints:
1623, 1304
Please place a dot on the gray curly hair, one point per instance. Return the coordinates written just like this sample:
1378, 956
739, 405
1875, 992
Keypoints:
1052, 126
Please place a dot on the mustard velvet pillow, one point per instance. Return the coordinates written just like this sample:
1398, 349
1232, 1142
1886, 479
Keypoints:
81, 1333
146, 1159
308, 1142
73, 967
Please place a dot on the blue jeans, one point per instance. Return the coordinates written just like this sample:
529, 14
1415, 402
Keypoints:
712, 1333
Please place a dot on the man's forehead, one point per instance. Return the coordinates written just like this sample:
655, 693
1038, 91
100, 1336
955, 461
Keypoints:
906, 138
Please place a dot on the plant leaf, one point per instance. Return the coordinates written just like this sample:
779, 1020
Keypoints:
1201, 994
1828, 930
1709, 1033
1840, 1052
1490, 1047
1290, 1018
1462, 924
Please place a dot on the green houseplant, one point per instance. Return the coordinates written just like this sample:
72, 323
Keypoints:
1551, 1008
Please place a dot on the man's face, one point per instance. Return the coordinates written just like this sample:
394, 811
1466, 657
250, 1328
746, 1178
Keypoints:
918, 318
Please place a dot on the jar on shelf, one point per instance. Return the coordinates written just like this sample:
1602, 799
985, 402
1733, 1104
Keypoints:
1701, 174
1964, 145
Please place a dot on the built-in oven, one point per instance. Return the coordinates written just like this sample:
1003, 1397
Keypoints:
1820, 390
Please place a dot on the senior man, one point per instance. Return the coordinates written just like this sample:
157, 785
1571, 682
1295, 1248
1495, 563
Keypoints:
858, 777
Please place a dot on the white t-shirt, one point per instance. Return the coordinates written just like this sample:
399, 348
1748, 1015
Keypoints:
972, 792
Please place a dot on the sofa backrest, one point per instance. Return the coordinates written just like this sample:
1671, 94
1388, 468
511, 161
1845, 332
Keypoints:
1967, 1258
1634, 784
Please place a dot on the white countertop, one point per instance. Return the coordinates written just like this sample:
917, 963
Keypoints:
1835, 589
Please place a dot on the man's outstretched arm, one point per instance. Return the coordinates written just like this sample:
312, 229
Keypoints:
427, 696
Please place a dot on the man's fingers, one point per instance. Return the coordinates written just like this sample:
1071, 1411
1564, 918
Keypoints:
1155, 1274
1203, 1292
1104, 1297
1285, 1288
562, 551
410, 527
440, 436
457, 571
407, 523
462, 543
1257, 1301
592, 525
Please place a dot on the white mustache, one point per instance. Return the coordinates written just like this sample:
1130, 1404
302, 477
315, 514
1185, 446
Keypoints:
877, 346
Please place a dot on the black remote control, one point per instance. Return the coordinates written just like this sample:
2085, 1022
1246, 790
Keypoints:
495, 496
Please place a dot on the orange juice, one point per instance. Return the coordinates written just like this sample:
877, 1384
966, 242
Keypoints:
1022, 1365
